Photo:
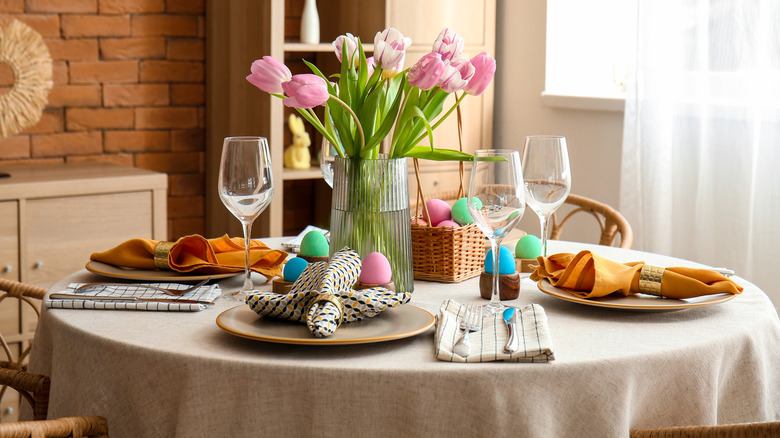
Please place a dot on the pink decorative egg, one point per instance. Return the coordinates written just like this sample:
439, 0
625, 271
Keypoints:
439, 211
375, 269
448, 223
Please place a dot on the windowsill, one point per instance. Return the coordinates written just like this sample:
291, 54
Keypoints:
593, 103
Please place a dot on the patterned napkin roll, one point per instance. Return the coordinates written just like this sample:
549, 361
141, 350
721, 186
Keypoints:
487, 344
323, 298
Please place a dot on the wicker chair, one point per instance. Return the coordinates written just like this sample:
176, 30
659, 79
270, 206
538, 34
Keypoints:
35, 387
752, 430
610, 221
67, 427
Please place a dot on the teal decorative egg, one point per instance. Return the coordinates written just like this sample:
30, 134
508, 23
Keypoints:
314, 244
460, 210
506, 262
528, 247
293, 269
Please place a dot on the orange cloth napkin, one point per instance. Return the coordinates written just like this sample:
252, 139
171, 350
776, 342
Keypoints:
196, 254
587, 275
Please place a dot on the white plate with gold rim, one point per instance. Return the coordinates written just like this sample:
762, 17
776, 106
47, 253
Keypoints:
394, 323
635, 302
112, 271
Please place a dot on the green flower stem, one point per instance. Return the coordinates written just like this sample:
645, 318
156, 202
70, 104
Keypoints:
397, 118
329, 134
312, 118
357, 120
441, 119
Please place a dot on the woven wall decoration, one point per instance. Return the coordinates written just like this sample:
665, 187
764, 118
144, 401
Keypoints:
23, 49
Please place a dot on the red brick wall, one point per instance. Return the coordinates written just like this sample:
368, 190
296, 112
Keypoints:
129, 87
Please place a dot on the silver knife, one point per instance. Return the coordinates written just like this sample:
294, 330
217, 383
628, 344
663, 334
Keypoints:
59, 296
510, 318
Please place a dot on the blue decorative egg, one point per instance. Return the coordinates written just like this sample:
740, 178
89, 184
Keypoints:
293, 269
506, 261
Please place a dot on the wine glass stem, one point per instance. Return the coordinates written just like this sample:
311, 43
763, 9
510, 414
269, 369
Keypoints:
495, 297
248, 286
544, 221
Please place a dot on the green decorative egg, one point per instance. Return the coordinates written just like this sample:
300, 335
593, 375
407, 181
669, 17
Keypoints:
314, 244
528, 247
460, 210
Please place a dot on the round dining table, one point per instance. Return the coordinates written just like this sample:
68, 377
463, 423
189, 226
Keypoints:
179, 374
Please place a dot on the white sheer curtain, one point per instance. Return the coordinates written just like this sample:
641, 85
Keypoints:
701, 143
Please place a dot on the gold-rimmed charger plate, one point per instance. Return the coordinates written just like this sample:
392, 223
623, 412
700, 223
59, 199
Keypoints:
394, 323
636, 302
112, 271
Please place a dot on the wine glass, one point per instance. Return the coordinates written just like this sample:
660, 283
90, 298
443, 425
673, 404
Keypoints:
497, 181
547, 177
327, 156
246, 186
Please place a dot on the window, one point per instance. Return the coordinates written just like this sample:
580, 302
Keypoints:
588, 47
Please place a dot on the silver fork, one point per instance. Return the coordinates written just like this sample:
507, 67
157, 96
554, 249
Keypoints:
174, 292
471, 322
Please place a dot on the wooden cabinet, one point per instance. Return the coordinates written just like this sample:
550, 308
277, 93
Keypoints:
52, 217
272, 28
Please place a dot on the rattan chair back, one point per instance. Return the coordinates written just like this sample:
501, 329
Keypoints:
742, 430
610, 221
34, 388
67, 427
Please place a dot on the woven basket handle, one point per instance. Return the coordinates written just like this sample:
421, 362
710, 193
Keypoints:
420, 193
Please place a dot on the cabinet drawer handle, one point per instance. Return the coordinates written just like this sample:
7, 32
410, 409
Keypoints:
7, 269
38, 265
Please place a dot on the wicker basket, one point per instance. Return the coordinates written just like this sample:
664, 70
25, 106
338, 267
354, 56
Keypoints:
446, 255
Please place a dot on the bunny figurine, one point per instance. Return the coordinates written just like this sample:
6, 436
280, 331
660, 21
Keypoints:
297, 155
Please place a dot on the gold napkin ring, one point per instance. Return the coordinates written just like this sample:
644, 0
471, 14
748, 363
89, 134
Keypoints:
330, 298
161, 251
650, 280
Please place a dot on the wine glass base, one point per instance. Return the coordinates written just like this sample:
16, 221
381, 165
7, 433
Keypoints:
239, 296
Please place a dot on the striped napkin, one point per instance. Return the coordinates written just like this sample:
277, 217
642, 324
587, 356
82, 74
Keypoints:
206, 293
487, 344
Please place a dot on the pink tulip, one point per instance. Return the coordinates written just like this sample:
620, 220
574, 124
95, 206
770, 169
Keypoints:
390, 50
371, 65
305, 91
484, 69
426, 72
268, 74
352, 46
456, 75
449, 44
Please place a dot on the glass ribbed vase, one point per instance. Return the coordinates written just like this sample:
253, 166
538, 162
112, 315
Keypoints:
370, 213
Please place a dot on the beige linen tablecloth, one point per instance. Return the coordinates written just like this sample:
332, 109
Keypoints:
156, 374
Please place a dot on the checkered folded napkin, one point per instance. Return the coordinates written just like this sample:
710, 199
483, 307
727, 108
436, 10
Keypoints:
487, 344
114, 293
322, 297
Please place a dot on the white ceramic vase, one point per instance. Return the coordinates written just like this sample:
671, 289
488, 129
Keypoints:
310, 23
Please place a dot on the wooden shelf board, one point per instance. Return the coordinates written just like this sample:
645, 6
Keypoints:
291, 174
322, 47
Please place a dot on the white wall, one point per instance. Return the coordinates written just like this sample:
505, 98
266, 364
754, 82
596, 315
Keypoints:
594, 137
